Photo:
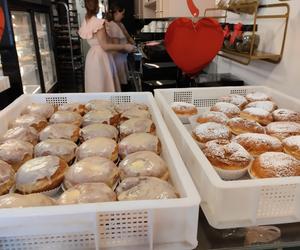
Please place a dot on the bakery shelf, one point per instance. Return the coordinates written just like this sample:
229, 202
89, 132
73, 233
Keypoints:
238, 203
246, 58
135, 225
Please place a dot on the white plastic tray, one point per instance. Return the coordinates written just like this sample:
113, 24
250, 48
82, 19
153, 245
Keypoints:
239, 203
156, 224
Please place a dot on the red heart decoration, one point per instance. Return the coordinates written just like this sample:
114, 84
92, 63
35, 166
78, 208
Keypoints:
192, 46
2, 23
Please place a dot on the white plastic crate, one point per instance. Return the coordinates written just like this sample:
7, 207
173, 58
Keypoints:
152, 224
238, 203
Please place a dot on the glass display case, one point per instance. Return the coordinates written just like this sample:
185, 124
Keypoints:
46, 51
25, 47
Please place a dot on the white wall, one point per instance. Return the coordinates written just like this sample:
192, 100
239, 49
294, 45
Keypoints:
284, 76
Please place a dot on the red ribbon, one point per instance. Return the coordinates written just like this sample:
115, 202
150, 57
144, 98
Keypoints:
226, 31
193, 8
236, 32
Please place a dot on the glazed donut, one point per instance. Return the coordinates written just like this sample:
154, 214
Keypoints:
99, 105
125, 106
286, 115
143, 163
41, 109
28, 134
275, 164
228, 109
258, 96
40, 174
238, 125
257, 144
16, 152
99, 146
184, 109
87, 193
105, 116
145, 188
291, 145
212, 116
257, 114
60, 131
7, 177
282, 130
14, 200
64, 149
235, 99
266, 105
135, 113
98, 130
31, 120
92, 170
73, 107
139, 142
67, 117
137, 125
210, 131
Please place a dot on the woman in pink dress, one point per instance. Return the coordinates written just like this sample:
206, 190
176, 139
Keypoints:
100, 70
119, 35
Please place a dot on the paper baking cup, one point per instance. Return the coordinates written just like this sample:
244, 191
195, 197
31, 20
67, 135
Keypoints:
250, 173
184, 118
51, 193
226, 174
193, 120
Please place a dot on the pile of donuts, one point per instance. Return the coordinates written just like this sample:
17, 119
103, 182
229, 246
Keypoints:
82, 153
250, 134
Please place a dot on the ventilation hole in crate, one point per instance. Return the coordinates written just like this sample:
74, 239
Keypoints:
37, 242
239, 91
121, 99
277, 201
57, 100
130, 227
204, 103
184, 96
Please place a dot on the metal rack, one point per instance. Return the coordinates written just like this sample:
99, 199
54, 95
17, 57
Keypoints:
68, 45
246, 58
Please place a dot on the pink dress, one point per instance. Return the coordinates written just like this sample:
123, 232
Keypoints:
114, 31
100, 70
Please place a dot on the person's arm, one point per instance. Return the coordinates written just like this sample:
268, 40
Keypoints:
128, 37
107, 46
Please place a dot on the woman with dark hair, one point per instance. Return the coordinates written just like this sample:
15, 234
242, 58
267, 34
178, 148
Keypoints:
100, 70
119, 35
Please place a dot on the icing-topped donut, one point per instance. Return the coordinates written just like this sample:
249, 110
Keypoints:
212, 116
73, 107
266, 105
99, 146
283, 130
145, 188
184, 108
7, 177
286, 115
143, 163
60, 131
64, 149
41, 109
257, 144
227, 108
99, 105
92, 170
68, 117
105, 116
135, 113
239, 125
98, 130
259, 115
137, 125
40, 174
235, 99
275, 164
139, 142
210, 131
258, 96
291, 145
16, 152
31, 120
87, 193
14, 200
28, 134
122, 107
